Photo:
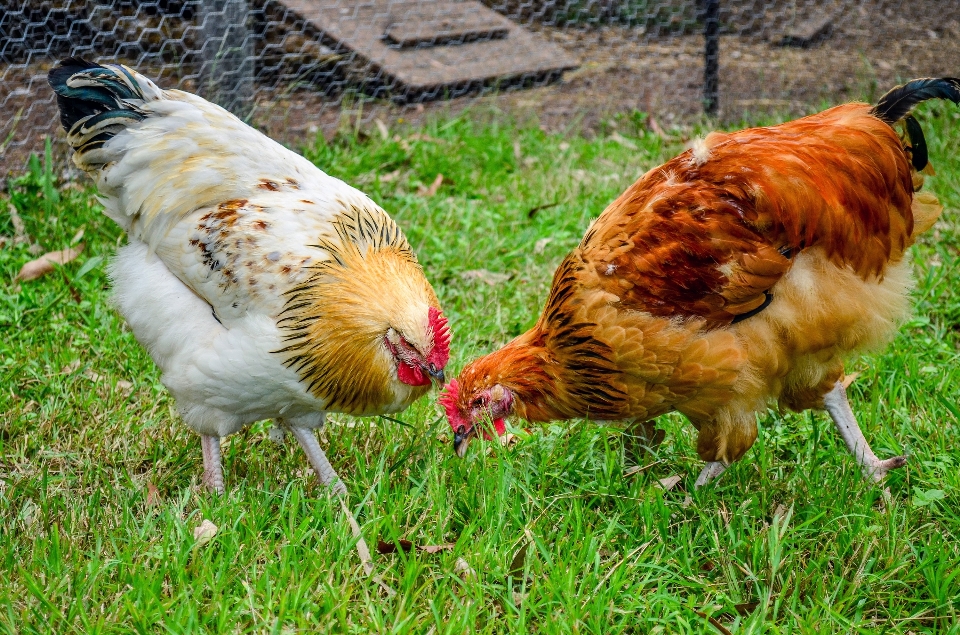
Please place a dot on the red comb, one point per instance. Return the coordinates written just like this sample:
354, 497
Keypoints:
440, 354
448, 399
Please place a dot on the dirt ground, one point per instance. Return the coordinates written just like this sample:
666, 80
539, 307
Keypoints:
872, 47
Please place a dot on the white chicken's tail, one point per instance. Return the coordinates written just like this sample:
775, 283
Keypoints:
96, 102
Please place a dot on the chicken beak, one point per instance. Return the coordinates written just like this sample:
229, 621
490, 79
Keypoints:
461, 440
436, 373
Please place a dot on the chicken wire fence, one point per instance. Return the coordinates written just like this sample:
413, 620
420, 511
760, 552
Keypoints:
298, 68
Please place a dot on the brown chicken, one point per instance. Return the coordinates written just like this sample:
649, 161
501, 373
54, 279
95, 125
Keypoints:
738, 274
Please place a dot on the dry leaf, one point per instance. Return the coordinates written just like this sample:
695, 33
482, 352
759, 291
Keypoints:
384, 547
491, 278
541, 244
626, 143
44, 264
780, 511
669, 482
509, 439
519, 558
382, 127
849, 379
76, 237
746, 608
390, 177
463, 569
430, 191
436, 548
70, 368
152, 496
205, 532
19, 230
92, 376
124, 386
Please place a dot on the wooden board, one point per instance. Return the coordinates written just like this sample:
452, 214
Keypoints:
432, 46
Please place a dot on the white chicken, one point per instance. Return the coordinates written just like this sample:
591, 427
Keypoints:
261, 286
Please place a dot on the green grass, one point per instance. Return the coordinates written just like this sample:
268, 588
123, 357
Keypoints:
88, 549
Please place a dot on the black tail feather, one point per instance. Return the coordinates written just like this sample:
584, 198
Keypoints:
898, 103
918, 144
85, 88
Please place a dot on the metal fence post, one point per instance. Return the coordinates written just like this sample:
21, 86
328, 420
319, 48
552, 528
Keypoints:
711, 70
226, 71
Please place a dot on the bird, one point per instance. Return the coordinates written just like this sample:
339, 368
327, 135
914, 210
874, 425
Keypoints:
262, 287
738, 275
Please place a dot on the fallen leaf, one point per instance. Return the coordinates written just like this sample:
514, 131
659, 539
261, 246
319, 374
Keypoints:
656, 129
746, 608
669, 482
382, 127
205, 532
76, 237
152, 495
70, 368
564, 146
417, 136
19, 230
517, 153
430, 191
707, 565
384, 547
92, 376
518, 598
541, 244
124, 386
509, 439
519, 558
491, 278
44, 264
849, 379
780, 511
463, 569
626, 143
390, 177
437, 548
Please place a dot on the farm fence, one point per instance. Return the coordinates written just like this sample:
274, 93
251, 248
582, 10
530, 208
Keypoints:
296, 68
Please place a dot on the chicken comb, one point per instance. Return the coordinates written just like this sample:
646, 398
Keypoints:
448, 399
440, 354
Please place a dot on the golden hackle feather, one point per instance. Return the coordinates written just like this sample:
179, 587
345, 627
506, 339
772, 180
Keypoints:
370, 282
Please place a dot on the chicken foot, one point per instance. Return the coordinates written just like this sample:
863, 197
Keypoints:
212, 467
836, 403
318, 460
710, 471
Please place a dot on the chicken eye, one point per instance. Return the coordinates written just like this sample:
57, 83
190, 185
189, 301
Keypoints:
479, 402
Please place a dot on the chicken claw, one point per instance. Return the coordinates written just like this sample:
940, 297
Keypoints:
838, 406
710, 471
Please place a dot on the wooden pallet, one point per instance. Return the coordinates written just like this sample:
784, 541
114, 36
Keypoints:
431, 48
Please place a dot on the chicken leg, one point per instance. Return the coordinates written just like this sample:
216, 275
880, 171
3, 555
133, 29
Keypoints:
838, 406
212, 468
328, 476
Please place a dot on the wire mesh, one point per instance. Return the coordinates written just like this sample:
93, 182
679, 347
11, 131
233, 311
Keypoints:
297, 68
